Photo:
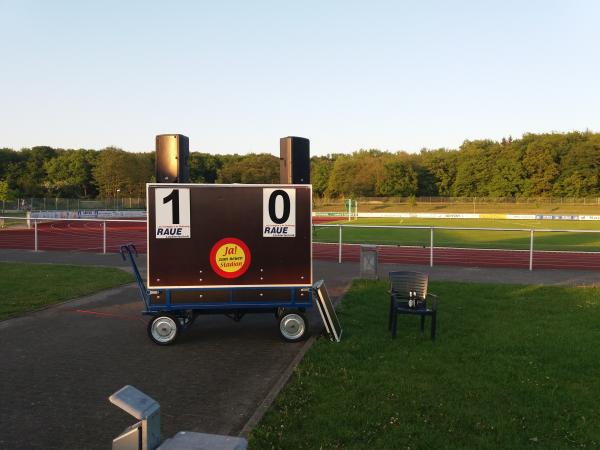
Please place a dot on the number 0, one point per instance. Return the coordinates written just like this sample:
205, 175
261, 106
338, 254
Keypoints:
174, 196
286, 206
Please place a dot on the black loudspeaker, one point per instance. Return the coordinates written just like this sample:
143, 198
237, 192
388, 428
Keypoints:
294, 159
172, 158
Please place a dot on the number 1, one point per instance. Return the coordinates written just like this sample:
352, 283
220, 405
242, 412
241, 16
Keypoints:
174, 195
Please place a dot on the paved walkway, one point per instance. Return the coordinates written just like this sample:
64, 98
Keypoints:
335, 273
60, 365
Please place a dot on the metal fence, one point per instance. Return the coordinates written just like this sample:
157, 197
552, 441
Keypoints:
468, 246
117, 202
526, 248
55, 234
68, 204
533, 201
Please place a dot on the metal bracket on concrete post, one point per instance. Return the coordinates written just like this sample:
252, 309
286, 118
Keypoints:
144, 435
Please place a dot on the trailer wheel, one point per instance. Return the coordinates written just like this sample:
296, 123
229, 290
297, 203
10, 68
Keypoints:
164, 330
293, 327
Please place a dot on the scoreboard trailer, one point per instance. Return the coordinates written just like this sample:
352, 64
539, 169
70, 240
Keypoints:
227, 249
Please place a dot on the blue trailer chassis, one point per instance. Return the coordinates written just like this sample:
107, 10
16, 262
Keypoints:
289, 311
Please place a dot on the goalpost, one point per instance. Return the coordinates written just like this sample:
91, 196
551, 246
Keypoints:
351, 209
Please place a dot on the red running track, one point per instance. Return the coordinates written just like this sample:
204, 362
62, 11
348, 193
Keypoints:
77, 236
88, 236
466, 257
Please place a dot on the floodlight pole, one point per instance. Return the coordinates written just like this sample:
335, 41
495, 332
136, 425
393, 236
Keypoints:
104, 237
35, 234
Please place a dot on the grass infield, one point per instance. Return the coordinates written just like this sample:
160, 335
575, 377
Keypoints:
513, 367
514, 240
26, 287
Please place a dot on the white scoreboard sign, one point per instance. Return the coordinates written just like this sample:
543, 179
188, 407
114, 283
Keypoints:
279, 212
172, 213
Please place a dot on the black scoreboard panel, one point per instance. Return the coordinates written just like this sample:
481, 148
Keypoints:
211, 235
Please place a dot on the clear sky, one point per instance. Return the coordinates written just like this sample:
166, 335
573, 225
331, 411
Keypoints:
237, 76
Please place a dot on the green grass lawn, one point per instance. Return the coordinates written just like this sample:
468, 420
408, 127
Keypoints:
517, 240
26, 287
513, 367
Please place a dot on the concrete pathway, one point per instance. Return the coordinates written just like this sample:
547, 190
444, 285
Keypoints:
59, 366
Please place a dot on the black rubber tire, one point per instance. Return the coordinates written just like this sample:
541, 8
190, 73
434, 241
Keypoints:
293, 326
159, 326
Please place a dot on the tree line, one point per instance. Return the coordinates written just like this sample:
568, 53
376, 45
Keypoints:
536, 165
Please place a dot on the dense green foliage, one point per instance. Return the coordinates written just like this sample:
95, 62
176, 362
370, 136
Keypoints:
537, 165
513, 367
112, 172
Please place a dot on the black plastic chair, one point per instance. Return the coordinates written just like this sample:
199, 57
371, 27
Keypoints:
408, 295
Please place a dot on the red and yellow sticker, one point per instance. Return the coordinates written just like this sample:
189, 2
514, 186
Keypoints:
230, 257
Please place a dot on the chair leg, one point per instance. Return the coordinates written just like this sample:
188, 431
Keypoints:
422, 323
390, 315
394, 324
433, 324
